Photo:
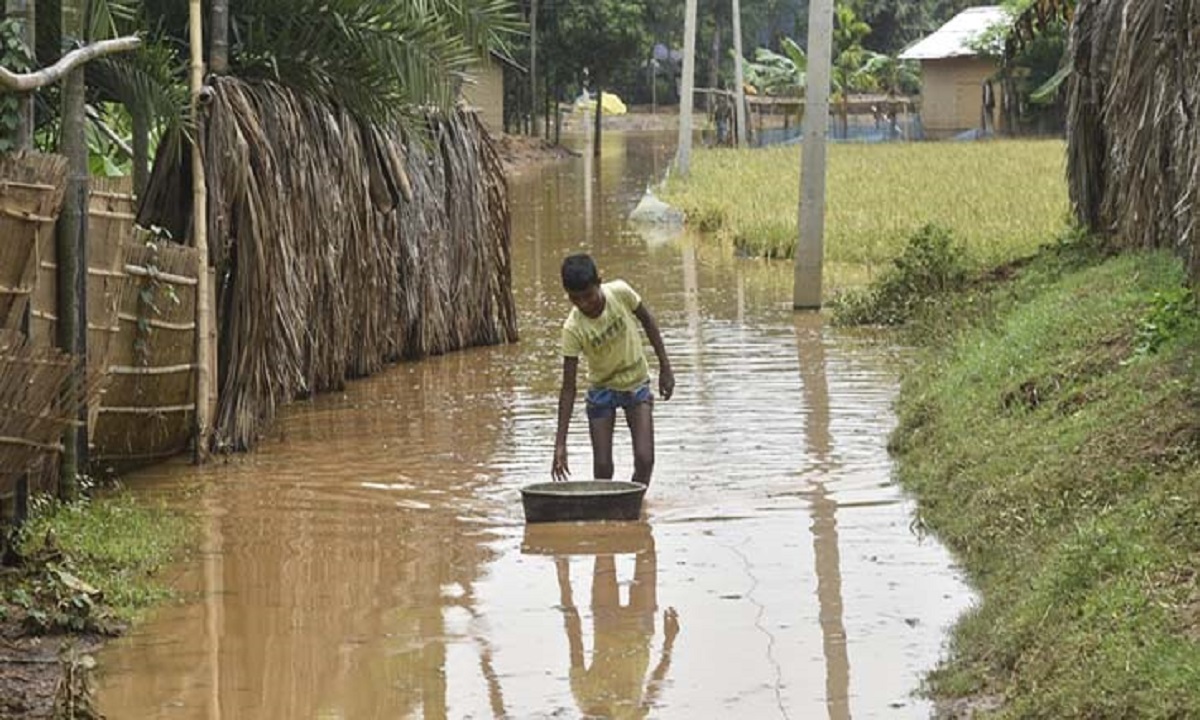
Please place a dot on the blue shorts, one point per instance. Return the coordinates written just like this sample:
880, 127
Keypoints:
602, 402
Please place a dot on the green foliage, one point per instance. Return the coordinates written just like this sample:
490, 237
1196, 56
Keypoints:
90, 565
931, 265
601, 37
781, 74
15, 56
1172, 313
56, 600
379, 58
1064, 477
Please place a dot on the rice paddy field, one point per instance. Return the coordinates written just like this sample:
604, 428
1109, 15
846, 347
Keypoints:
1001, 199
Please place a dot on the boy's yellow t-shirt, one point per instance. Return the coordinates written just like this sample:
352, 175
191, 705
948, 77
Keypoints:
612, 343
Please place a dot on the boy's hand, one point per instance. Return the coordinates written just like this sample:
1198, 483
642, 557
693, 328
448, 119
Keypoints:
559, 471
666, 384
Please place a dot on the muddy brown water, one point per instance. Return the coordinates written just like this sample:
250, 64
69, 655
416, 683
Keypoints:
370, 559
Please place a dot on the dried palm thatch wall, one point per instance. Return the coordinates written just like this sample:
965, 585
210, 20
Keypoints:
339, 246
1133, 130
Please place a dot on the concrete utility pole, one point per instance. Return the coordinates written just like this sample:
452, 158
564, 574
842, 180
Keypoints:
739, 92
684, 156
533, 83
810, 251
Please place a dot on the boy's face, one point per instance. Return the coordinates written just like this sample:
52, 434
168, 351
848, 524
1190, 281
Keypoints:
590, 300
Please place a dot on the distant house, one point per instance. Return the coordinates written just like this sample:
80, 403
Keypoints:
956, 93
485, 90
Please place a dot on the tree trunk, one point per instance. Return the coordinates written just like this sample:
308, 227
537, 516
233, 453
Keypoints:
739, 80
549, 102
218, 56
599, 108
141, 148
25, 13
72, 270
557, 119
714, 67
533, 78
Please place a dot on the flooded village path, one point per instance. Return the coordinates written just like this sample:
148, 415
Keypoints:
370, 559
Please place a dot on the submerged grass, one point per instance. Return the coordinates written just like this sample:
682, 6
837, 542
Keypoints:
1057, 451
1001, 199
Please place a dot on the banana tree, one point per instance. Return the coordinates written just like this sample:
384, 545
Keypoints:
782, 74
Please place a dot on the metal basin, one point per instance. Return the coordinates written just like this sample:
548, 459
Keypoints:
582, 500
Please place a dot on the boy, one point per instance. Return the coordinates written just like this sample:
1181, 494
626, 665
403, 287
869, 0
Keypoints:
601, 328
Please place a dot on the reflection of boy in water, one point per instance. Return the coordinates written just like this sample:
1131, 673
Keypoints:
615, 685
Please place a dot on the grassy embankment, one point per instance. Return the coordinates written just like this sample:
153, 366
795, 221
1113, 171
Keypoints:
1000, 199
91, 566
1053, 442
1050, 433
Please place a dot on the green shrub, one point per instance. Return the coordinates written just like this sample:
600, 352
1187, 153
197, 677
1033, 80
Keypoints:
931, 265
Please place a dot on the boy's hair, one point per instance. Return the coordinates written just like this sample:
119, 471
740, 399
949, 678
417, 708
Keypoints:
579, 273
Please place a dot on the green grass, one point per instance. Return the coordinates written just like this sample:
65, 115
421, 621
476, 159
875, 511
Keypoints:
1058, 453
114, 543
1001, 199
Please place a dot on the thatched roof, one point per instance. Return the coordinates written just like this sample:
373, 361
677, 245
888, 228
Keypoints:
1134, 142
339, 245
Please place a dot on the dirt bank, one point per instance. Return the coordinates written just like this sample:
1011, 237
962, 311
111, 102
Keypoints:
520, 151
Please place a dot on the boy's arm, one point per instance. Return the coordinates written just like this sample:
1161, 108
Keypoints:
666, 378
566, 404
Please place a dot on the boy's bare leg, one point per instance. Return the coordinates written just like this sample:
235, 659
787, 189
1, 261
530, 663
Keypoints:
641, 428
601, 431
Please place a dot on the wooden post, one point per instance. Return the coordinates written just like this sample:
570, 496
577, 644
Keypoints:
21, 507
684, 156
71, 247
810, 251
24, 12
557, 118
739, 80
533, 79
599, 112
200, 237
219, 55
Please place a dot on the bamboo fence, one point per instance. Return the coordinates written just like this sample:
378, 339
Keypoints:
149, 402
1133, 135
41, 391
338, 246
31, 197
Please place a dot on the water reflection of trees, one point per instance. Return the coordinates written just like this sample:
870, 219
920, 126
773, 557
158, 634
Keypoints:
616, 680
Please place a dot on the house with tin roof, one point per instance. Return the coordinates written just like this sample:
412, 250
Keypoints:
957, 92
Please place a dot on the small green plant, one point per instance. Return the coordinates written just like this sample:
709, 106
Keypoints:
61, 601
1171, 313
931, 265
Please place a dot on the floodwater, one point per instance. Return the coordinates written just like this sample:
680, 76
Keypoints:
370, 559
